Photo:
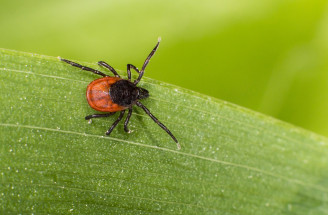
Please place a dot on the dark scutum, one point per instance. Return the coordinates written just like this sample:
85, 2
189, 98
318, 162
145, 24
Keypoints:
124, 93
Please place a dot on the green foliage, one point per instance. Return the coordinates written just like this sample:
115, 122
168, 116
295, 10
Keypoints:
267, 55
232, 161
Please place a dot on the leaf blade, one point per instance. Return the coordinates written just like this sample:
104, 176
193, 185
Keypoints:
232, 160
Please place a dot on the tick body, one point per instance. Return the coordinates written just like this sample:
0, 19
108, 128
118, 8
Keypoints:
114, 94
99, 97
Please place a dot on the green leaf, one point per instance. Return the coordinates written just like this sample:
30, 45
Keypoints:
232, 161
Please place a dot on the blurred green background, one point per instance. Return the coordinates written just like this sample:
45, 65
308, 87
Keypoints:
267, 55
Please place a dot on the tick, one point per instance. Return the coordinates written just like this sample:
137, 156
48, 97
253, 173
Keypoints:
115, 94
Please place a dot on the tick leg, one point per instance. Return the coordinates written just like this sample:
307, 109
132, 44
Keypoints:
104, 64
84, 67
129, 70
146, 62
98, 115
158, 123
115, 123
127, 121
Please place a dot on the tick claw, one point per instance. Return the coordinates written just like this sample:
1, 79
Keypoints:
127, 130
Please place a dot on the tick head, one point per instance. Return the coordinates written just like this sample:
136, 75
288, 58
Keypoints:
143, 93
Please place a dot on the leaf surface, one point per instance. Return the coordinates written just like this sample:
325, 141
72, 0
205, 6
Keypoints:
232, 161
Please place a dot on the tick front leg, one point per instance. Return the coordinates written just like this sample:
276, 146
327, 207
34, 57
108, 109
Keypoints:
146, 62
98, 115
115, 123
127, 121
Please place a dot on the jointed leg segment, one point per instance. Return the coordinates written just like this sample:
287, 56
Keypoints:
129, 66
127, 121
115, 123
98, 115
84, 67
104, 64
146, 62
158, 123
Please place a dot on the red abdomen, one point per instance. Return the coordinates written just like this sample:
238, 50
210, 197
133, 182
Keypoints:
98, 95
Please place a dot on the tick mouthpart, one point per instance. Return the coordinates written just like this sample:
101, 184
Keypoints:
143, 93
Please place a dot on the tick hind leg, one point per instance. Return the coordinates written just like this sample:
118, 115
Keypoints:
83, 67
115, 123
98, 115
